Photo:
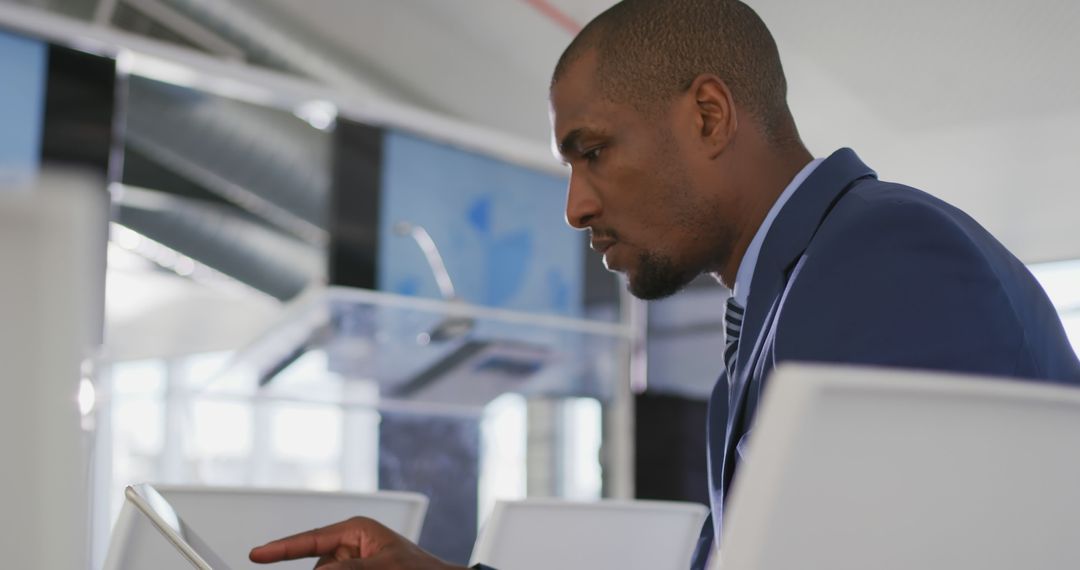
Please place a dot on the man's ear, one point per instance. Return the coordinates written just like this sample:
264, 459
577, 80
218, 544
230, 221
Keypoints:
717, 118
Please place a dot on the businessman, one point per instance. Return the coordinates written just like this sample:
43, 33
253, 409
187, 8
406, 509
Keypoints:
684, 158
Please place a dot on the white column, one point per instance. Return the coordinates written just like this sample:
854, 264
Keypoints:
52, 274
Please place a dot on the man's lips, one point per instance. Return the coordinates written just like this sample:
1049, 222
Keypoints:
602, 245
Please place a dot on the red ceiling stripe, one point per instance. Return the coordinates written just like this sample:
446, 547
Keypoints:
556, 15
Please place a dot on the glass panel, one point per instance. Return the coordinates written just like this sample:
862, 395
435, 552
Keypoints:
424, 354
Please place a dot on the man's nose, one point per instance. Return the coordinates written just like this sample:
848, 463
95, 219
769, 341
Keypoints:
582, 203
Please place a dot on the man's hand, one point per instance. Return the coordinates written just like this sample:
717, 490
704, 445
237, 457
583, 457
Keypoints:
358, 543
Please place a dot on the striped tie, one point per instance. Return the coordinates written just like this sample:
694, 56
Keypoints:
733, 326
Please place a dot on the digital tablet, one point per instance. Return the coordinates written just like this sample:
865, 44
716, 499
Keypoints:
161, 514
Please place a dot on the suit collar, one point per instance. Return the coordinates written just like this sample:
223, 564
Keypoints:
790, 235
784, 244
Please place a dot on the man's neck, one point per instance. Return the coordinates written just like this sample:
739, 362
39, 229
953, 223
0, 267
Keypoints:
768, 181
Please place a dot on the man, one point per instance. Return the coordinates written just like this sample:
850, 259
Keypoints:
685, 159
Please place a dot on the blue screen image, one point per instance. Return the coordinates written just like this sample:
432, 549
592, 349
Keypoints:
23, 64
500, 228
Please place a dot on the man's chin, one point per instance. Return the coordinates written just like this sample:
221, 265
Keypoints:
653, 289
651, 277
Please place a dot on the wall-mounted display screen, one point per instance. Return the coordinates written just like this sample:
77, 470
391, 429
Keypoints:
498, 226
23, 65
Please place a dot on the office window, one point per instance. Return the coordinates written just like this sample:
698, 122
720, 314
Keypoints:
137, 426
1062, 283
176, 421
504, 432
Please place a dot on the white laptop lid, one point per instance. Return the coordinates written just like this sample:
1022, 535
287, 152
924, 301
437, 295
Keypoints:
855, 468
540, 534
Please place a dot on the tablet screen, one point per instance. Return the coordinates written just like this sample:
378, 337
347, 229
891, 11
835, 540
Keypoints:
165, 518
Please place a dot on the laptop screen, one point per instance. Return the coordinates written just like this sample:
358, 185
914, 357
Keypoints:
176, 529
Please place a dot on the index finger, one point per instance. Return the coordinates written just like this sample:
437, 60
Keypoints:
318, 542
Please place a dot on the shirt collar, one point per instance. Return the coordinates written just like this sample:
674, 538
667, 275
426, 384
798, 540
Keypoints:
741, 290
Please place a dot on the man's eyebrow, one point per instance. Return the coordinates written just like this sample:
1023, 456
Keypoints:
570, 141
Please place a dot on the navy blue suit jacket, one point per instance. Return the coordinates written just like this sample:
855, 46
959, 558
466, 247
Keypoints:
855, 270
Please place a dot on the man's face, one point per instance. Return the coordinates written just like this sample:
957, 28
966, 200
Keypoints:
636, 184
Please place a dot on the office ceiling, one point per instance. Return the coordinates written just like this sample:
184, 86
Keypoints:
915, 65
976, 101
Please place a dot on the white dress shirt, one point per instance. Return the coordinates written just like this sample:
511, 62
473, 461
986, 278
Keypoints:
741, 289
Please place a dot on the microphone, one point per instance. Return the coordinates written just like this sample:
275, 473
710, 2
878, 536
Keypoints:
451, 327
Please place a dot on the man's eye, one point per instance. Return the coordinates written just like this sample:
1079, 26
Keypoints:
592, 154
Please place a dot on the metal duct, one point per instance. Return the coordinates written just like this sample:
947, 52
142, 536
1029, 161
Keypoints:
266, 44
81, 9
243, 249
267, 162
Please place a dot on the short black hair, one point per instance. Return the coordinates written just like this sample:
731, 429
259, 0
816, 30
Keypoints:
650, 50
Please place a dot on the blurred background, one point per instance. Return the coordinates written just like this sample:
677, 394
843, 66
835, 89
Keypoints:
320, 245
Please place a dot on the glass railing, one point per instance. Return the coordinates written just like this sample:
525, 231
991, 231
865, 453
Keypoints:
426, 354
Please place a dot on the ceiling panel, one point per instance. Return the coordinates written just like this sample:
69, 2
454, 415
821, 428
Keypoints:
926, 64
978, 101
484, 60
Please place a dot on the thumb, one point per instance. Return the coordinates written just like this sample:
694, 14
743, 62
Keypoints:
381, 561
351, 564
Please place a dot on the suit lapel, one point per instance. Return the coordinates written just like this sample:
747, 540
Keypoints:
785, 243
787, 239
790, 235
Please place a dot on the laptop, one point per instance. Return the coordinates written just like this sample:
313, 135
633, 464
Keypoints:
856, 468
163, 517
